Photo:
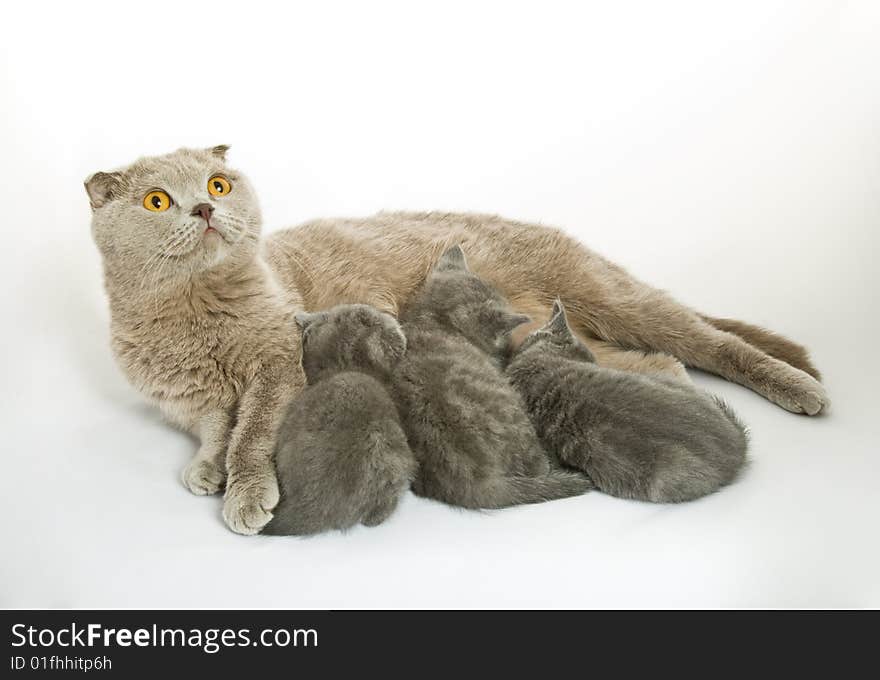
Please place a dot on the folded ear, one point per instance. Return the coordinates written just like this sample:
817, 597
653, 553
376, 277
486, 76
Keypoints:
220, 151
452, 260
103, 187
305, 319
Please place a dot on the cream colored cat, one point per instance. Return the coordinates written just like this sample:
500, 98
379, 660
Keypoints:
202, 310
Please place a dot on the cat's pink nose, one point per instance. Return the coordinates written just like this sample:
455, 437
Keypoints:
205, 210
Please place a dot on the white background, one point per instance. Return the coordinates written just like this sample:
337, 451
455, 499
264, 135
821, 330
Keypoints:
729, 153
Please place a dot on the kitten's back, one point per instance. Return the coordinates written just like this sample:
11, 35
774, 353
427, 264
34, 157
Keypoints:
635, 436
342, 458
466, 424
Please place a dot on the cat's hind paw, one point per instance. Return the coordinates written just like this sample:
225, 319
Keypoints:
798, 392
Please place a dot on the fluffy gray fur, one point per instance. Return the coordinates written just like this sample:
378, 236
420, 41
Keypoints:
640, 437
466, 424
341, 457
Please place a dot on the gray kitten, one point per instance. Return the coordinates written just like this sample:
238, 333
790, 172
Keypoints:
636, 436
467, 426
341, 456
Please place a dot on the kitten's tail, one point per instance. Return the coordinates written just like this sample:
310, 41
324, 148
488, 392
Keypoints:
509, 491
741, 445
689, 473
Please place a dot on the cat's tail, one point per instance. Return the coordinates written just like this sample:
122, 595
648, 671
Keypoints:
774, 344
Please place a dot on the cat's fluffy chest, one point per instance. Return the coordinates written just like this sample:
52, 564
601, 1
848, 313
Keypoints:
192, 360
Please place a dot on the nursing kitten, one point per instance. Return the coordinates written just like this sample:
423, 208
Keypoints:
341, 456
639, 437
467, 426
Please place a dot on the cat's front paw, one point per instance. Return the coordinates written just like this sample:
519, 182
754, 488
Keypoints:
248, 505
203, 477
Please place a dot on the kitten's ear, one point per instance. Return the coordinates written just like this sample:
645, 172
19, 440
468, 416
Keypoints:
103, 187
558, 321
399, 341
306, 319
220, 151
398, 345
510, 320
394, 346
386, 347
452, 260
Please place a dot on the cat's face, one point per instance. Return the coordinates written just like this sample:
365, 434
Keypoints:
166, 218
349, 338
556, 337
461, 300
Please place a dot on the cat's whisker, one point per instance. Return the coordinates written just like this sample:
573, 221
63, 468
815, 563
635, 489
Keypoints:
150, 266
156, 288
157, 264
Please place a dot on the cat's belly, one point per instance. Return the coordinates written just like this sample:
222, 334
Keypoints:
381, 260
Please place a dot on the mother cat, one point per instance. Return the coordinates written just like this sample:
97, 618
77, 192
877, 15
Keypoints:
202, 310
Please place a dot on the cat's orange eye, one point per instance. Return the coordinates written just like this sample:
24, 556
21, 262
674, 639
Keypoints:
157, 201
218, 185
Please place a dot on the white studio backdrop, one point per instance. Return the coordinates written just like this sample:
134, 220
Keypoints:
728, 152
